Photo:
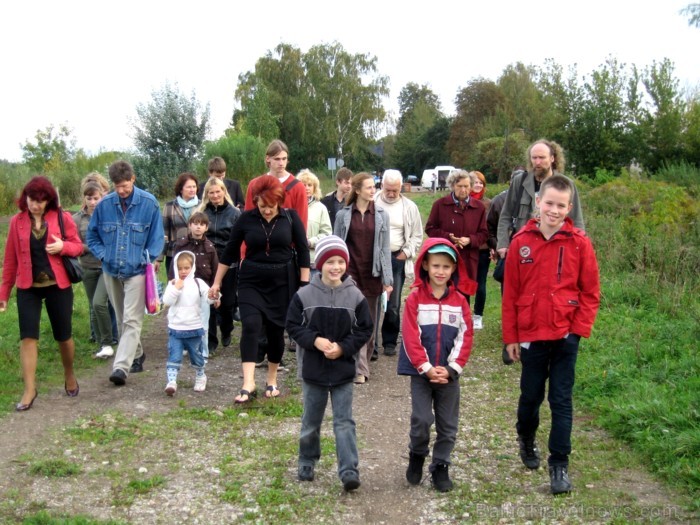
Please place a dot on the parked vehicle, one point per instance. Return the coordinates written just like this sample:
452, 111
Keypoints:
442, 172
412, 179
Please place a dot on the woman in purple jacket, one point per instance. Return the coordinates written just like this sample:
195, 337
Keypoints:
461, 219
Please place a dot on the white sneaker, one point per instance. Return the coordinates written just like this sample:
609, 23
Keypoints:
105, 352
478, 322
360, 379
200, 383
171, 388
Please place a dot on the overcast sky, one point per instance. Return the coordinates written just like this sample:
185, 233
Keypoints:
88, 64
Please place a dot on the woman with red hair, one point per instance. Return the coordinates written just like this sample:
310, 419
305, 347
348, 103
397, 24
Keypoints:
482, 270
33, 263
276, 246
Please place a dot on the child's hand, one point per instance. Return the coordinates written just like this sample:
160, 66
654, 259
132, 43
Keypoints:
438, 374
335, 352
323, 344
179, 283
513, 350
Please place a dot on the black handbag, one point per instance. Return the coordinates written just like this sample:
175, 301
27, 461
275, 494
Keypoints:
71, 264
499, 270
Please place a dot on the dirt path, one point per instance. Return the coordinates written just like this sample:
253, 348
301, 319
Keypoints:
492, 485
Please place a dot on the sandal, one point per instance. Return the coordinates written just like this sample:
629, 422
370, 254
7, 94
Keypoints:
249, 396
272, 391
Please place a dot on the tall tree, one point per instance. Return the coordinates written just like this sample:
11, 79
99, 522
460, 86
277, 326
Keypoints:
692, 11
411, 95
51, 150
596, 137
281, 72
326, 102
258, 120
421, 132
664, 119
691, 130
169, 134
344, 109
476, 104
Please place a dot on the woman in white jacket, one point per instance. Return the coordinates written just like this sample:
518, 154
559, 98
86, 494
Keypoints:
319, 221
185, 295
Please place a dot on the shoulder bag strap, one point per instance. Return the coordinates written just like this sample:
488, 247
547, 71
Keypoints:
60, 223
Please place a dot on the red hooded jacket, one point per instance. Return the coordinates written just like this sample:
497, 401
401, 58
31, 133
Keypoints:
436, 332
551, 286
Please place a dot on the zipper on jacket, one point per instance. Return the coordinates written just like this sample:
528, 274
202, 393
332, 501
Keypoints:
439, 334
560, 263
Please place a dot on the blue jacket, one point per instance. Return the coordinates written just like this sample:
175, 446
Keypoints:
120, 240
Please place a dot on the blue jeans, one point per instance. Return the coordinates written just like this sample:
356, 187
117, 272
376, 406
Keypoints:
392, 317
315, 400
181, 340
556, 361
439, 403
482, 273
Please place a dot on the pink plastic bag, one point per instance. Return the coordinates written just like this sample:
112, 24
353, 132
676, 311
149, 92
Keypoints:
152, 298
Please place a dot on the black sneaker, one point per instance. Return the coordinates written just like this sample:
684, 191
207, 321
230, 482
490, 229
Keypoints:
389, 350
528, 452
506, 358
441, 478
559, 480
212, 347
414, 472
137, 364
118, 377
351, 481
305, 473
226, 341
375, 355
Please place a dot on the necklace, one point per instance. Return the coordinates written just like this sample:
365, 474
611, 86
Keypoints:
267, 235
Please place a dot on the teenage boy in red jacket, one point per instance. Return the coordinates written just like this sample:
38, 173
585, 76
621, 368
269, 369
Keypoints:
550, 300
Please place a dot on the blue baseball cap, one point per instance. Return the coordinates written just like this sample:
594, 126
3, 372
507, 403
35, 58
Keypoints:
443, 248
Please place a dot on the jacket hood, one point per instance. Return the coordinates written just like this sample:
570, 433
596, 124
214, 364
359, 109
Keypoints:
461, 281
190, 276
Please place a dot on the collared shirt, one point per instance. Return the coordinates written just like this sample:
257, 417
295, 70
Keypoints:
397, 239
459, 204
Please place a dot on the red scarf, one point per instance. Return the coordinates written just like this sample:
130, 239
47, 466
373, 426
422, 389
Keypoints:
479, 195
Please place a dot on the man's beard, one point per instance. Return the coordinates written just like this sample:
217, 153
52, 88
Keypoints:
540, 172
390, 201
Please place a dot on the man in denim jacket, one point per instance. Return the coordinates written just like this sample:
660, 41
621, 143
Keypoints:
124, 226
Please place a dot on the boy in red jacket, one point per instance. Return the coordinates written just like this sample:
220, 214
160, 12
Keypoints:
550, 300
437, 340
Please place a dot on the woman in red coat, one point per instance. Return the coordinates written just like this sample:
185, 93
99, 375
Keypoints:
33, 262
461, 219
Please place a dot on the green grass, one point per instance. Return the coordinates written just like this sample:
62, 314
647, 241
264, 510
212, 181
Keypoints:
54, 468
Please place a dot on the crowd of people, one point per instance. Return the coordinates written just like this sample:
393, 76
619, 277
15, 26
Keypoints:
330, 271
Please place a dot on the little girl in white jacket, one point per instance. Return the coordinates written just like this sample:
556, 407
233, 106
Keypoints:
186, 296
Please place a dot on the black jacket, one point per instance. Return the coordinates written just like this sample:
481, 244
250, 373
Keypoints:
221, 221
